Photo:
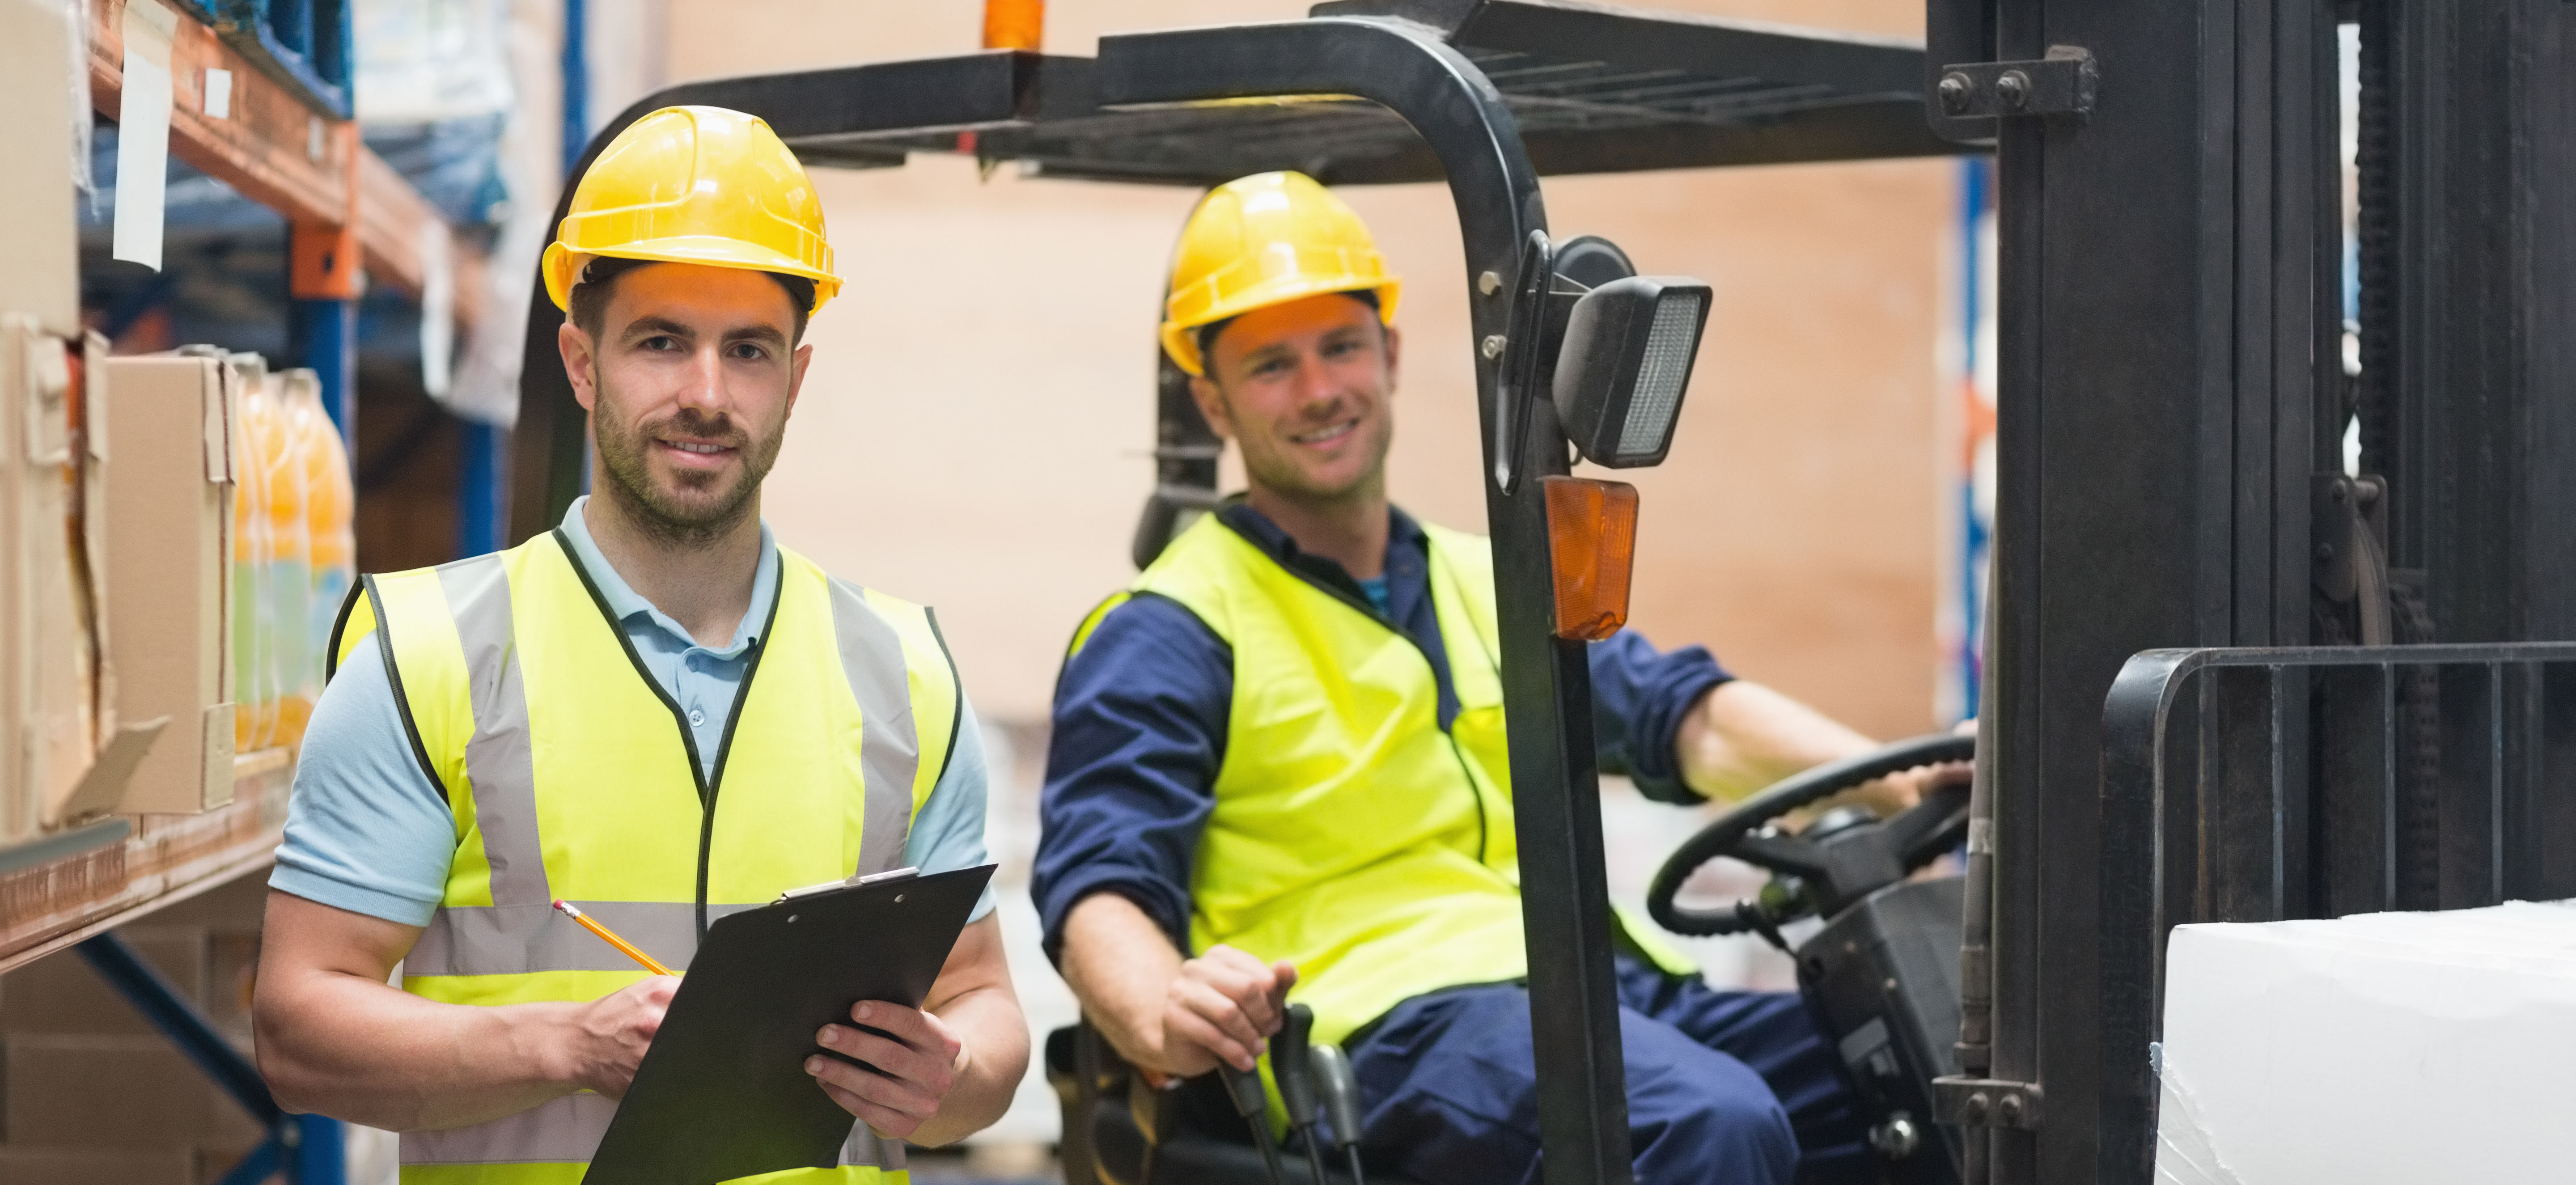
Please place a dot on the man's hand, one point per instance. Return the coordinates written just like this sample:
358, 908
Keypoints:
1164, 1013
1221, 1006
1901, 790
608, 1036
916, 1058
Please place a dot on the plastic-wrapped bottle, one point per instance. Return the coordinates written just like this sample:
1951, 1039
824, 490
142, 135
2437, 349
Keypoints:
297, 401
254, 685
331, 509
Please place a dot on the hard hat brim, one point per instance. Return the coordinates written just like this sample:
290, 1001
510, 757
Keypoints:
563, 264
1181, 340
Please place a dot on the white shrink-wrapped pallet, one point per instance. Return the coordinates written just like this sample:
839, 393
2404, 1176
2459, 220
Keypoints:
2397, 1047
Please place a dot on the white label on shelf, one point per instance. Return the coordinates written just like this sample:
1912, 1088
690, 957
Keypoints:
143, 133
219, 94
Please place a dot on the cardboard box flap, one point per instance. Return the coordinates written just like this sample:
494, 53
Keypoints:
100, 790
220, 408
48, 431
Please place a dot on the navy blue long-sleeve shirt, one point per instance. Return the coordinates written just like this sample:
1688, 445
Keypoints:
1140, 727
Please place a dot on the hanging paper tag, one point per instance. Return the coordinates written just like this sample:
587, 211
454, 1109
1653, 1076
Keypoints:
143, 133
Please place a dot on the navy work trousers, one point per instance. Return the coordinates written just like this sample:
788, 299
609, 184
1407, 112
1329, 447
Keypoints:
1723, 1087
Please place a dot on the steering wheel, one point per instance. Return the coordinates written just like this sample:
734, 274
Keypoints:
1840, 858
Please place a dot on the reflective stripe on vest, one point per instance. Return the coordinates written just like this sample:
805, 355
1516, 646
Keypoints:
571, 774
1352, 834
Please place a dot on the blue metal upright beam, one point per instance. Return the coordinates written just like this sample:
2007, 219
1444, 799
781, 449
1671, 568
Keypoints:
309, 1148
326, 339
482, 506
323, 277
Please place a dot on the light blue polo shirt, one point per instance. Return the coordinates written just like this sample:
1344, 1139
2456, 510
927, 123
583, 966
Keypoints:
368, 832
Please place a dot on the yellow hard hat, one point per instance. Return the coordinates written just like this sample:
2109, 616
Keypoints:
695, 185
1262, 240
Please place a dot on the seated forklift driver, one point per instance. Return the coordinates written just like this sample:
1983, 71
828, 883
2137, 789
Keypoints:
1278, 769
653, 711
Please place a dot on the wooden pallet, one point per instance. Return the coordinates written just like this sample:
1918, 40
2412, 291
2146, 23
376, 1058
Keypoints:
47, 906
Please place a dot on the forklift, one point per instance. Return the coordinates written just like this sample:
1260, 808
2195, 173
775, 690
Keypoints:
2231, 676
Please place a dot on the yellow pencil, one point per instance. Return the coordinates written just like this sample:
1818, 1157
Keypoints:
574, 912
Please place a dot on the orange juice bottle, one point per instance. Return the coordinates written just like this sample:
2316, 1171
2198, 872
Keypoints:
331, 511
254, 697
290, 567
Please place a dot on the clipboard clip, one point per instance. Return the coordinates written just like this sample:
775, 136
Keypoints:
873, 878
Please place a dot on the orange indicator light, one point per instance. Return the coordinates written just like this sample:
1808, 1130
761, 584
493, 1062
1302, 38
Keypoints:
1014, 24
1592, 545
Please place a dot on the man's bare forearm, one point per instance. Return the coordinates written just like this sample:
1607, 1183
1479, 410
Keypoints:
1742, 736
334, 1041
1121, 967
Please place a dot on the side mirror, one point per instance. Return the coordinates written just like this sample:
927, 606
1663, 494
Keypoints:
1625, 363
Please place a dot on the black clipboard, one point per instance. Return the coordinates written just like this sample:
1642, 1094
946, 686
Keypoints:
723, 1093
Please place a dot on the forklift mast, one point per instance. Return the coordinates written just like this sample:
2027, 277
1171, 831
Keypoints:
2172, 403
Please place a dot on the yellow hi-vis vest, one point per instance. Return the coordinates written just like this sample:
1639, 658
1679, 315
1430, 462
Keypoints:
1352, 836
572, 775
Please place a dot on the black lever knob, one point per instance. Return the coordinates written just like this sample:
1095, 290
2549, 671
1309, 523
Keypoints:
1289, 1063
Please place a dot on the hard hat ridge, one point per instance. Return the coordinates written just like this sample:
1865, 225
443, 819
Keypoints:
703, 185
1263, 240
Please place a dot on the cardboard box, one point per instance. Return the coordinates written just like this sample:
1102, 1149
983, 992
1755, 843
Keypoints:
59, 995
39, 237
95, 1166
169, 498
45, 722
116, 1092
64, 758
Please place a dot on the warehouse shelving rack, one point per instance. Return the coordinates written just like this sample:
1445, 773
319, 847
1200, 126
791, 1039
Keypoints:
288, 143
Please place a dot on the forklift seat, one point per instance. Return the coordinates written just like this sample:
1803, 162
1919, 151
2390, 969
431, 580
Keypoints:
1118, 1130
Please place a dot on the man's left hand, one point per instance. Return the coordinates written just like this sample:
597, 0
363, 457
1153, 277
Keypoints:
917, 1059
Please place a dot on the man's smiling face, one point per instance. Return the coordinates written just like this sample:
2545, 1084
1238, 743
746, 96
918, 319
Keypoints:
1306, 390
689, 380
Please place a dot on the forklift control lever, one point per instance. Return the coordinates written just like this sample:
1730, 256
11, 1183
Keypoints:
1341, 1092
1243, 1089
1291, 1063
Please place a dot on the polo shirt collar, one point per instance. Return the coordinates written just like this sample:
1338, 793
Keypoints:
1405, 541
631, 608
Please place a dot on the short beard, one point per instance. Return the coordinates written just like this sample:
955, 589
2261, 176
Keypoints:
1288, 481
623, 448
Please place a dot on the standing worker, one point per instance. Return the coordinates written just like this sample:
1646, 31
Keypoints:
1278, 769
653, 711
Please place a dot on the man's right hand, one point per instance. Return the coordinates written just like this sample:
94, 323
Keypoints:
1223, 1005
608, 1036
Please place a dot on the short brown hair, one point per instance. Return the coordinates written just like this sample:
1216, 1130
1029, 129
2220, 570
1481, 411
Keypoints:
597, 283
